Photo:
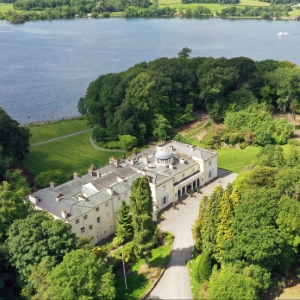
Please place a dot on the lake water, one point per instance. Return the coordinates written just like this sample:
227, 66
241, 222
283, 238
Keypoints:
46, 66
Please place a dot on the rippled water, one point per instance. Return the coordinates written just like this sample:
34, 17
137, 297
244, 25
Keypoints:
46, 66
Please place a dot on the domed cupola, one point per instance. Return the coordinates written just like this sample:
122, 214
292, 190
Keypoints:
163, 156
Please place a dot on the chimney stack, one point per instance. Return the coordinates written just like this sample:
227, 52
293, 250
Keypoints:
98, 174
90, 171
64, 214
33, 198
145, 159
75, 175
120, 178
110, 190
181, 160
114, 161
59, 196
52, 184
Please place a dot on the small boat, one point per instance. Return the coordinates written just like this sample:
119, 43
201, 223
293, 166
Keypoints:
282, 33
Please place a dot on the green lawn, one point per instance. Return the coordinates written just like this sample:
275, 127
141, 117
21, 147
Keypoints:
70, 154
5, 7
192, 267
50, 130
235, 160
137, 284
212, 6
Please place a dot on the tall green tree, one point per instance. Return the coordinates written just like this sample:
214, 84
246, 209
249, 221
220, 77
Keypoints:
12, 206
212, 221
144, 239
228, 284
14, 139
185, 52
125, 229
204, 267
198, 223
162, 128
81, 276
37, 237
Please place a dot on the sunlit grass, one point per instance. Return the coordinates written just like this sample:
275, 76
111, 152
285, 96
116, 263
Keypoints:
50, 130
70, 154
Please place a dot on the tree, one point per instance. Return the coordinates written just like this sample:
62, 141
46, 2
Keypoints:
294, 107
99, 133
229, 203
198, 223
81, 276
124, 230
128, 141
37, 237
162, 128
5, 162
204, 267
144, 239
12, 206
44, 178
185, 52
212, 221
228, 284
14, 140
81, 106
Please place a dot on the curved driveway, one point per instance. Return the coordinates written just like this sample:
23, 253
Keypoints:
175, 283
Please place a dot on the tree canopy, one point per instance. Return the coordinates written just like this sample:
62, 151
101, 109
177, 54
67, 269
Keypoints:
37, 237
144, 239
81, 276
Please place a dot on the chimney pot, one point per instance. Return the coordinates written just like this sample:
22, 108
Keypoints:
52, 184
75, 175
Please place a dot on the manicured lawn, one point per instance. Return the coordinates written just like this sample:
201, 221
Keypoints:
50, 130
70, 154
235, 160
5, 7
137, 284
212, 6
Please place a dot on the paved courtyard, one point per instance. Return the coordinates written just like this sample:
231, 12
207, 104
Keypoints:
175, 283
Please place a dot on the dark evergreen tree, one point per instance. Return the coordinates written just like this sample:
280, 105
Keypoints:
125, 229
204, 267
144, 239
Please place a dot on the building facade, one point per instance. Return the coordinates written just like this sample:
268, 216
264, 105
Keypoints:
90, 202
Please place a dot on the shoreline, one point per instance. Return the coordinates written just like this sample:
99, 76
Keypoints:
37, 123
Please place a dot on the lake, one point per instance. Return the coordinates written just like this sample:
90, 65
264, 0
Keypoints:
46, 66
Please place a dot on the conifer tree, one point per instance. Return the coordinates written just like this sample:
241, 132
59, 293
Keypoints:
211, 221
198, 224
124, 230
204, 267
144, 239
229, 203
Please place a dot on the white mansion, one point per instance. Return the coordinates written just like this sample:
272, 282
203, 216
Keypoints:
90, 202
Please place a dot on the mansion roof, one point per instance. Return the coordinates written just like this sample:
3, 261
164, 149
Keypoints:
85, 192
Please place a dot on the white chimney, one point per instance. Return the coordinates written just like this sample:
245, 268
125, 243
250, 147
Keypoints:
181, 160
171, 148
132, 161
52, 184
75, 175
64, 214
90, 171
145, 159
81, 197
33, 198
110, 190
59, 196
120, 178
98, 174
92, 167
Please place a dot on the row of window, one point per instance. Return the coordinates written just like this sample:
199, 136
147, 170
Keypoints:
77, 221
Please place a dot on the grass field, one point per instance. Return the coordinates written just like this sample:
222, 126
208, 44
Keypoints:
5, 7
50, 130
235, 160
137, 284
70, 154
213, 7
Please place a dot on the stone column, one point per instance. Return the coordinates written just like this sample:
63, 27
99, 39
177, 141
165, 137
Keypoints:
192, 186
